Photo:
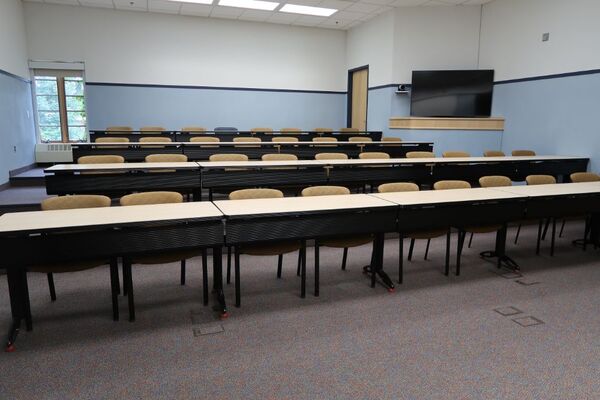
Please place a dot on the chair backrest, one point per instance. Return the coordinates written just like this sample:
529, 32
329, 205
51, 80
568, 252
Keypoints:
205, 139
106, 159
247, 139
226, 129
579, 177
325, 191
279, 157
398, 187
118, 129
152, 129
166, 158
111, 140
390, 139
161, 139
495, 181
493, 153
193, 129
331, 156
323, 130
244, 194
261, 130
349, 130
360, 139
540, 180
420, 154
451, 154
445, 185
291, 130
228, 157
380, 155
324, 139
523, 153
137, 199
284, 139
75, 201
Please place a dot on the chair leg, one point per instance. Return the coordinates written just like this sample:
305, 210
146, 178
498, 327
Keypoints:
344, 257
546, 229
228, 265
562, 228
447, 267
586, 232
279, 265
124, 273
28, 317
238, 296
51, 286
427, 249
400, 259
470, 240
459, 248
302, 257
114, 286
204, 278
316, 268
182, 278
129, 284
553, 239
517, 235
410, 249
539, 237
298, 270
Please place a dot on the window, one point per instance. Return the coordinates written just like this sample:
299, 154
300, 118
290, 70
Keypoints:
60, 105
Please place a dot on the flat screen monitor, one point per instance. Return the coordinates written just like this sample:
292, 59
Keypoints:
456, 93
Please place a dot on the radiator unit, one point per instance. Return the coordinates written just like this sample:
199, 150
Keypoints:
53, 152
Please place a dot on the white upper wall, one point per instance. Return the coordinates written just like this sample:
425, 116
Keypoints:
373, 43
147, 48
13, 45
511, 37
435, 38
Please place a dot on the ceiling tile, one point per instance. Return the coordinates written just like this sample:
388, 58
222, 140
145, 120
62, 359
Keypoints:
351, 16
309, 20
282, 18
255, 15
65, 2
363, 7
201, 10
407, 3
226, 12
336, 4
164, 6
97, 3
381, 2
140, 5
313, 3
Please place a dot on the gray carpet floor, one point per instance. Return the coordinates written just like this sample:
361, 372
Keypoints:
437, 337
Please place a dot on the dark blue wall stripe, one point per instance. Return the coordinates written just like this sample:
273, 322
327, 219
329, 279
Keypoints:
3, 72
554, 76
214, 88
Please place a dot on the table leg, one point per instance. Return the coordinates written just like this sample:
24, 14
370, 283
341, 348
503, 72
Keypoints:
218, 282
500, 251
15, 290
376, 267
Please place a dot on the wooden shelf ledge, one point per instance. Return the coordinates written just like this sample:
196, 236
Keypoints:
460, 124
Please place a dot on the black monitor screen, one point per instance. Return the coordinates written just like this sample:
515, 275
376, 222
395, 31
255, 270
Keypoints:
452, 93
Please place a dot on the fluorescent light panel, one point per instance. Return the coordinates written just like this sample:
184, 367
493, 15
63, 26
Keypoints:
253, 4
298, 9
194, 1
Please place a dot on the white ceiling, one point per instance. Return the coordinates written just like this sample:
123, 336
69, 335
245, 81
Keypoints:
350, 14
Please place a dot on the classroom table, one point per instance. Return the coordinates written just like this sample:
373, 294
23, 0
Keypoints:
201, 151
43, 237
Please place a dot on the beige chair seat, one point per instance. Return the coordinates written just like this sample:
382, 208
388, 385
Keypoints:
270, 249
67, 266
168, 257
345, 242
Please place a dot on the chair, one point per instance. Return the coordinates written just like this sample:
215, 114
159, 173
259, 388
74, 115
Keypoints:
152, 129
279, 157
326, 139
104, 159
158, 139
247, 139
291, 130
266, 249
411, 187
193, 129
262, 130
331, 156
542, 180
112, 140
163, 257
165, 158
205, 139
222, 157
455, 154
493, 153
360, 139
420, 154
340, 243
321, 131
69, 203
523, 153
118, 129
349, 130
374, 155
391, 141
278, 139
582, 177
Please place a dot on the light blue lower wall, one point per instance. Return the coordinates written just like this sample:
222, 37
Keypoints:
552, 116
385, 103
174, 108
17, 129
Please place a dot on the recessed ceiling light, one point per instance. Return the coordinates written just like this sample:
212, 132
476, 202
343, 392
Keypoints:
254, 4
194, 1
298, 9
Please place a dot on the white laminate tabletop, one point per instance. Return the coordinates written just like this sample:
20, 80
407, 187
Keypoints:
299, 204
445, 196
58, 219
122, 166
557, 189
261, 164
261, 143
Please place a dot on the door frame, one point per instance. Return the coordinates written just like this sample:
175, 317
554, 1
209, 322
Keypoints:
349, 96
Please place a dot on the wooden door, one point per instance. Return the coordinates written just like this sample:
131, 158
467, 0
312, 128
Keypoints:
359, 92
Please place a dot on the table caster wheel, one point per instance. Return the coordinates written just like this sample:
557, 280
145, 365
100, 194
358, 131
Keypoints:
224, 315
391, 290
10, 348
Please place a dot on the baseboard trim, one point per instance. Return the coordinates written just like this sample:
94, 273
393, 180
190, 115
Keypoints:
20, 170
4, 186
